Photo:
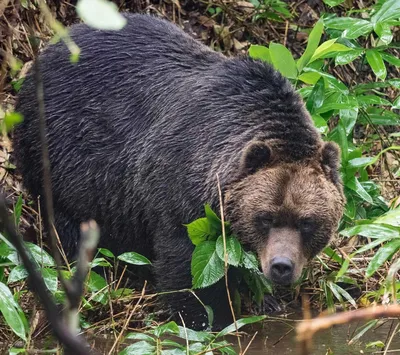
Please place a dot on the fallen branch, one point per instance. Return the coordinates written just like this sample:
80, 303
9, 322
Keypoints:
307, 329
73, 343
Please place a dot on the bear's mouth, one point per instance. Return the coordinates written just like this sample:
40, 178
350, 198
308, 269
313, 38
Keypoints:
282, 258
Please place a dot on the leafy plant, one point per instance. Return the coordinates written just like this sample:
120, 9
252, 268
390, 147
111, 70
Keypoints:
208, 259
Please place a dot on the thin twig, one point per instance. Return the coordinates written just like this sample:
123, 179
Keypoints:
226, 265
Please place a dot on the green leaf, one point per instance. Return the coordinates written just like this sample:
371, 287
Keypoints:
316, 98
140, 336
170, 328
388, 11
260, 52
391, 217
396, 103
343, 293
375, 60
193, 335
371, 230
106, 252
233, 249
383, 254
333, 3
249, 261
384, 32
134, 258
50, 278
12, 312
11, 119
18, 210
207, 267
391, 59
360, 162
100, 14
359, 28
320, 124
17, 273
214, 222
373, 100
239, 324
198, 230
40, 255
95, 284
330, 79
283, 60
312, 44
344, 58
340, 23
327, 48
354, 184
139, 348
375, 344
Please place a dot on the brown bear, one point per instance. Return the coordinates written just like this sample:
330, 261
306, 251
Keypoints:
139, 128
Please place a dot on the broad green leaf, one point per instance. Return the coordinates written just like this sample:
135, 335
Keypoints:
344, 58
375, 60
320, 124
396, 103
340, 23
193, 335
384, 32
333, 255
372, 245
39, 255
233, 249
170, 328
355, 185
373, 100
375, 344
312, 44
50, 278
359, 28
17, 273
139, 348
391, 217
239, 324
372, 231
100, 14
249, 261
95, 284
343, 293
391, 59
316, 98
383, 254
99, 262
389, 10
214, 221
140, 336
198, 230
330, 80
207, 268
283, 60
327, 48
11, 119
361, 162
260, 52
12, 312
106, 252
134, 258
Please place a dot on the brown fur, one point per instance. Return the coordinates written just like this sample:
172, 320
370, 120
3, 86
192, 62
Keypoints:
287, 209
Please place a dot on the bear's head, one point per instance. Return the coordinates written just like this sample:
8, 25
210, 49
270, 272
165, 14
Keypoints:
286, 212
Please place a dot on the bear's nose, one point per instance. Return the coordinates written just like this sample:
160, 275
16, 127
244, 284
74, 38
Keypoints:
282, 270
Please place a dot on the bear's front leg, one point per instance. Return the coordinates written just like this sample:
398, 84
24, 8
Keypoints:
173, 274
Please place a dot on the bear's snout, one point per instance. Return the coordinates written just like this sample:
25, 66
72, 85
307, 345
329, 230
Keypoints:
282, 270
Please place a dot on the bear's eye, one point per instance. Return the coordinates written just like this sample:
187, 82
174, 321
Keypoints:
264, 222
307, 226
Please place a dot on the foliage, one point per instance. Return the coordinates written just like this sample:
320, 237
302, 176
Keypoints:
150, 343
208, 260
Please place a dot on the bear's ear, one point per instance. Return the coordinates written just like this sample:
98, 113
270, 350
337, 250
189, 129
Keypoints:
330, 161
256, 155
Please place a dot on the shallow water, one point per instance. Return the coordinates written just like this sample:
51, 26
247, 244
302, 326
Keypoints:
278, 337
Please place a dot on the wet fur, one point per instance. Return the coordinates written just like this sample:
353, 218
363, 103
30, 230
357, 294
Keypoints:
138, 130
